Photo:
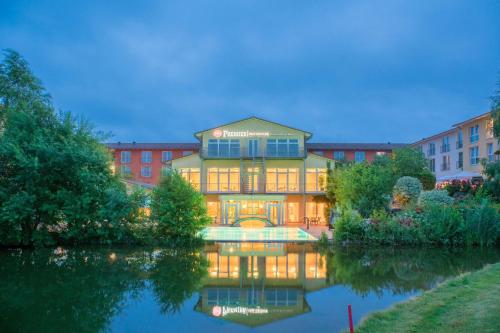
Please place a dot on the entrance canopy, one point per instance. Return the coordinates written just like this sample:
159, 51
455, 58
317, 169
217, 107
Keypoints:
252, 209
464, 175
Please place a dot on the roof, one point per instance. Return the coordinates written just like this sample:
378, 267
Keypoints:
153, 146
308, 134
435, 136
484, 115
354, 146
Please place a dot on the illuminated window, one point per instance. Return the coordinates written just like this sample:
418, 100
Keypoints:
125, 157
282, 267
293, 212
316, 210
316, 179
192, 175
282, 180
223, 266
315, 266
146, 156
213, 208
223, 179
253, 267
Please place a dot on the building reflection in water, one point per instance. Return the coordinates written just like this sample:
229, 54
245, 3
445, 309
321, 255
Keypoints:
257, 283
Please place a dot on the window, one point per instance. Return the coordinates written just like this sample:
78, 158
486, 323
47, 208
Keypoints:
282, 147
281, 267
187, 153
223, 179
146, 171
359, 156
491, 155
474, 134
192, 176
474, 155
125, 170
282, 180
460, 162
293, 212
166, 156
315, 180
432, 149
445, 144
489, 129
125, 157
432, 165
146, 156
445, 164
460, 139
316, 210
339, 155
223, 148
315, 266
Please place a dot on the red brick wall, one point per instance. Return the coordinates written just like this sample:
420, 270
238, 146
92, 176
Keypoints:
349, 154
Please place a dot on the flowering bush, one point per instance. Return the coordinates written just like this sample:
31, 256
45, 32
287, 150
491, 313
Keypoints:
407, 190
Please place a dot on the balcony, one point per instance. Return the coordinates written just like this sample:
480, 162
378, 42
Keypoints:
474, 160
460, 144
445, 148
445, 166
245, 153
431, 152
460, 165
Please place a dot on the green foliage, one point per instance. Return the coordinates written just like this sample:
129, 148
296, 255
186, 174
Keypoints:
442, 225
362, 186
407, 190
492, 183
428, 180
495, 112
432, 197
408, 162
178, 209
482, 223
349, 226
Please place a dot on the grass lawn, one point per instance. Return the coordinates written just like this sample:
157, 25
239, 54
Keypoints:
468, 303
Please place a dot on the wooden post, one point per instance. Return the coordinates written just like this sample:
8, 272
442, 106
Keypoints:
351, 325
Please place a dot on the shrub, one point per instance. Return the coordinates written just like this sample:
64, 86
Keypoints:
442, 224
349, 226
482, 224
492, 184
428, 180
178, 209
439, 197
407, 190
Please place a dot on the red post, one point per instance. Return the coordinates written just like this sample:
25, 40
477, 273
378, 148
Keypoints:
351, 325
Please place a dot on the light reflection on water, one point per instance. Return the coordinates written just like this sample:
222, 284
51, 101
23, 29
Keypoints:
220, 287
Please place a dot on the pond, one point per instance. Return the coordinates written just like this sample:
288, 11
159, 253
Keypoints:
221, 287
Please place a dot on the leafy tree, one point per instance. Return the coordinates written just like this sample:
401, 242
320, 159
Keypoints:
411, 162
495, 112
177, 208
55, 177
362, 186
492, 183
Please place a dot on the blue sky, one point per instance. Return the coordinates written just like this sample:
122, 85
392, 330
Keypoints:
348, 71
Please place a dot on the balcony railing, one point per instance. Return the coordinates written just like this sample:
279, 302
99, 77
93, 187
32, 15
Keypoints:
260, 188
474, 160
445, 166
445, 148
245, 153
431, 152
460, 144
460, 165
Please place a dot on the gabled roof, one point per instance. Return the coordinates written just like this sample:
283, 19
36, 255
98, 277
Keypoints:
355, 146
307, 134
484, 115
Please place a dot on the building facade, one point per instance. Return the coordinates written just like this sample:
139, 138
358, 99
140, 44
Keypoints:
458, 153
251, 171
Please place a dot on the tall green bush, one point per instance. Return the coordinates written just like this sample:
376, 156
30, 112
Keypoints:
349, 226
482, 224
178, 209
442, 225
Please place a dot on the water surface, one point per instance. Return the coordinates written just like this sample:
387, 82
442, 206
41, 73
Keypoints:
222, 287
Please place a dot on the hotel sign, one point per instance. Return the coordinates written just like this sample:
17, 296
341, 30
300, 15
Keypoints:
221, 311
218, 133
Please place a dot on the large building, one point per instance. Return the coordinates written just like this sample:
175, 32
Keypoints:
458, 152
250, 171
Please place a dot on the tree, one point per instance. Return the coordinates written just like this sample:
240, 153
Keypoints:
178, 209
411, 162
492, 183
362, 186
495, 112
55, 176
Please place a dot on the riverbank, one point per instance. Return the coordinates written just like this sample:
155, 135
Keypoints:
468, 303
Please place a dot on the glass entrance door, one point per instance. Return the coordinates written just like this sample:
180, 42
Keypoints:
231, 213
253, 147
274, 213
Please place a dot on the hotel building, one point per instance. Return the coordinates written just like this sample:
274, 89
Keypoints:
457, 153
250, 171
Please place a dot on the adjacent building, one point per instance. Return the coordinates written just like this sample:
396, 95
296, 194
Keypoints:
458, 153
250, 171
